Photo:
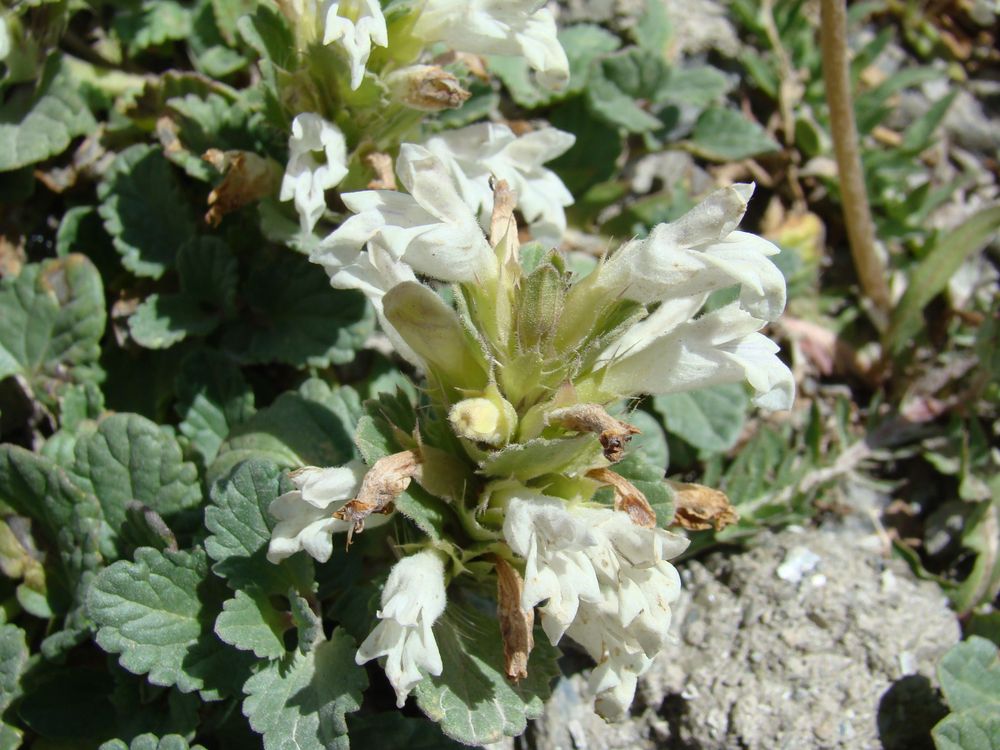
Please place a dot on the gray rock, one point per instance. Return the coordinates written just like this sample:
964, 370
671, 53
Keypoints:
844, 657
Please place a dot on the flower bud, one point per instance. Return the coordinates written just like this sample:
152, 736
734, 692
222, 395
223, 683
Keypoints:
489, 418
427, 87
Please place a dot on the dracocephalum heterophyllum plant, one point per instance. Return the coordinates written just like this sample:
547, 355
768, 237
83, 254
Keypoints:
495, 479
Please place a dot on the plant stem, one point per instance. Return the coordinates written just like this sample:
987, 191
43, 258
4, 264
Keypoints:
857, 213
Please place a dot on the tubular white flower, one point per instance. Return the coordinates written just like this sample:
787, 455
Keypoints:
356, 25
307, 176
305, 515
431, 229
607, 584
498, 27
474, 153
668, 354
554, 544
412, 600
699, 253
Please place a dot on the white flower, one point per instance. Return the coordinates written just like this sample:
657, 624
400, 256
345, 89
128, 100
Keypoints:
699, 253
308, 174
605, 583
668, 353
356, 25
472, 154
305, 515
431, 229
413, 598
498, 27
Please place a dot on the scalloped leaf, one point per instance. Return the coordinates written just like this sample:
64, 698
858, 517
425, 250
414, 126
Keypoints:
710, 419
300, 704
147, 233
312, 427
473, 700
36, 125
52, 318
293, 316
241, 530
157, 614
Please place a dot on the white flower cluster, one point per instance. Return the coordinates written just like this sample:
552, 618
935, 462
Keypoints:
433, 228
677, 266
606, 583
470, 154
414, 594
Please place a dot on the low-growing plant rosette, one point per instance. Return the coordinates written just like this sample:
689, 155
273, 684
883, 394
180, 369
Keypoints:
496, 475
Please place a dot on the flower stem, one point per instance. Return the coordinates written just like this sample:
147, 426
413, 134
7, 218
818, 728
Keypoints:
857, 213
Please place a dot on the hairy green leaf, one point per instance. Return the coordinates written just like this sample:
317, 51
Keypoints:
299, 704
250, 623
310, 428
35, 125
970, 675
147, 233
151, 742
212, 397
473, 700
157, 614
726, 135
710, 419
241, 530
51, 322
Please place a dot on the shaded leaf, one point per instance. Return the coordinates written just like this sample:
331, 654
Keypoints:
212, 397
473, 700
931, 274
146, 233
35, 125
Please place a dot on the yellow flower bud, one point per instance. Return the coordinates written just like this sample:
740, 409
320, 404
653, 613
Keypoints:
488, 419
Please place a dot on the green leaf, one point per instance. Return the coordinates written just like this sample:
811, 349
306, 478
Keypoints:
300, 704
726, 135
593, 156
583, 44
696, 86
930, 276
10, 737
212, 397
152, 24
618, 81
310, 428
162, 321
650, 445
130, 458
13, 660
970, 675
143, 708
70, 704
208, 273
652, 29
981, 534
157, 614
250, 623
151, 742
473, 700
710, 419
51, 322
241, 531
147, 233
542, 456
293, 316
67, 516
973, 729
35, 125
